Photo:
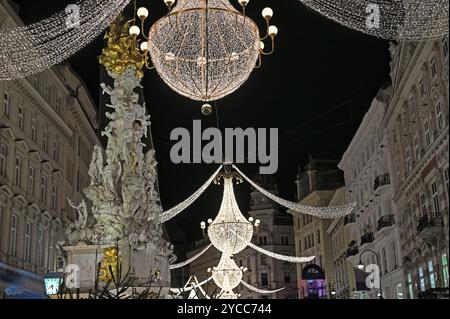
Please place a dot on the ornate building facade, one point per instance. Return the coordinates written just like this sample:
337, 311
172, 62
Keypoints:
345, 284
47, 134
275, 235
374, 224
316, 186
416, 125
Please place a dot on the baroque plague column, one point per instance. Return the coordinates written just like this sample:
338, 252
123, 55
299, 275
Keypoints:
123, 206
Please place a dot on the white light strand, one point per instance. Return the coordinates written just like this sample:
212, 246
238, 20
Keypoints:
174, 211
290, 259
411, 20
27, 50
261, 291
188, 261
329, 212
204, 54
195, 285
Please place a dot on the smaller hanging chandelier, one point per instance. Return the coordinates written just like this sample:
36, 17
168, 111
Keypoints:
227, 275
204, 49
230, 232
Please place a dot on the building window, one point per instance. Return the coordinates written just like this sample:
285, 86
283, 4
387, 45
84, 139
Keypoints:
421, 279
287, 278
20, 117
434, 190
432, 274
318, 236
263, 260
445, 47
28, 242
394, 255
284, 240
417, 148
446, 179
262, 240
385, 263
3, 159
50, 261
299, 245
433, 67
423, 204
55, 149
408, 160
43, 189
33, 128
6, 104
13, 236
399, 291
422, 88
45, 138
31, 180
40, 250
445, 269
18, 171
427, 132
439, 116
54, 197
410, 286
264, 279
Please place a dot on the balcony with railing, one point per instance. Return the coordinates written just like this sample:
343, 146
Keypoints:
349, 219
352, 250
381, 180
385, 222
367, 238
430, 227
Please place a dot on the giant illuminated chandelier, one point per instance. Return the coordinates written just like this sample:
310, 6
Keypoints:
204, 49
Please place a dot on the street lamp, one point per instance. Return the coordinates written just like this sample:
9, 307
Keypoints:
361, 266
53, 282
332, 287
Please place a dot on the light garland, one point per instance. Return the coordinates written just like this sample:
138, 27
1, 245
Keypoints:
191, 285
188, 261
329, 212
174, 211
27, 50
290, 259
261, 291
411, 20
205, 49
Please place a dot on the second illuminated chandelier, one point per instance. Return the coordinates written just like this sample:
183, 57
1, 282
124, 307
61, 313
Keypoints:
204, 49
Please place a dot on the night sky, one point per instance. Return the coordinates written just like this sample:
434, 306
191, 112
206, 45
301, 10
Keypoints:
315, 88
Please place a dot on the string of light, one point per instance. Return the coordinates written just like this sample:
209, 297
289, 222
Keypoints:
329, 212
27, 50
290, 259
260, 291
188, 261
195, 285
174, 211
411, 20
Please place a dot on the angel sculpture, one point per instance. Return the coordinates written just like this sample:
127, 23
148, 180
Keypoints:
79, 231
96, 167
